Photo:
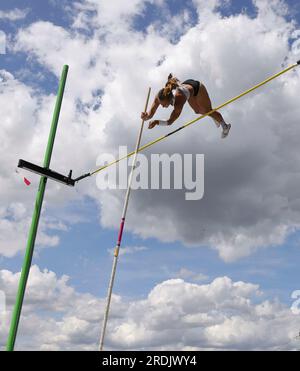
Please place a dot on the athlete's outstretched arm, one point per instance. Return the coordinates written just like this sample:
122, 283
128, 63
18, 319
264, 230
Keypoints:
178, 106
148, 116
175, 114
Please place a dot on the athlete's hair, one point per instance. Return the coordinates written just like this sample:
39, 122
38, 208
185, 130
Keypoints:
166, 92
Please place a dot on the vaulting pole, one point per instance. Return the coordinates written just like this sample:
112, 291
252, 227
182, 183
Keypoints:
142, 148
117, 248
35, 219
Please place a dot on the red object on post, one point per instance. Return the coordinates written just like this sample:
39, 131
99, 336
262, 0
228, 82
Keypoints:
27, 182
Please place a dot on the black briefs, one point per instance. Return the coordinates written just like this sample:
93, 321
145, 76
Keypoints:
195, 84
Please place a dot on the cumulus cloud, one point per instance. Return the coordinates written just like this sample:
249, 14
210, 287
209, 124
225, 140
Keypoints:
51, 308
24, 133
246, 205
102, 14
175, 315
14, 226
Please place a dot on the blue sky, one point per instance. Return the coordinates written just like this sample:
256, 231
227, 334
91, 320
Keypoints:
85, 247
82, 252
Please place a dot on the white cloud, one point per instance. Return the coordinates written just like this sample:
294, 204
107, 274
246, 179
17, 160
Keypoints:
55, 316
221, 315
187, 274
2, 42
176, 315
106, 13
14, 14
128, 250
15, 223
244, 206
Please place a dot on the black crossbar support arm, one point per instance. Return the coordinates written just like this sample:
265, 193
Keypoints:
67, 180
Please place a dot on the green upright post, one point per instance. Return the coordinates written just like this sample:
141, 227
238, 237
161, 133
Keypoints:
35, 218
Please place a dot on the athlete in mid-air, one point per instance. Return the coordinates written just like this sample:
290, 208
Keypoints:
190, 90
